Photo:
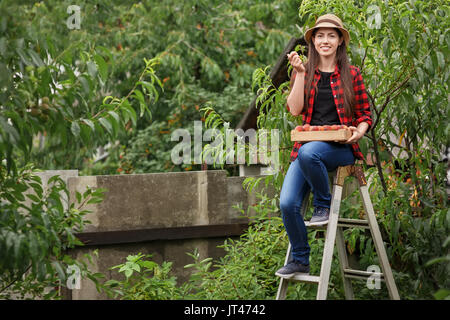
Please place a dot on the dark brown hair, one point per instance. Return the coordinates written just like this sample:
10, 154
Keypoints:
344, 67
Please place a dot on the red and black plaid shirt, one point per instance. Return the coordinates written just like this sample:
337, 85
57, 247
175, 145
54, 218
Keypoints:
362, 109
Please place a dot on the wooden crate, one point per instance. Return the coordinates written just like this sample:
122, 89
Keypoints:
328, 135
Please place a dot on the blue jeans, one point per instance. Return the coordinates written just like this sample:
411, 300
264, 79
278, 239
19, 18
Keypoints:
309, 172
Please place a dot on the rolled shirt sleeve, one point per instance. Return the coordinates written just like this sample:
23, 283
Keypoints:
362, 107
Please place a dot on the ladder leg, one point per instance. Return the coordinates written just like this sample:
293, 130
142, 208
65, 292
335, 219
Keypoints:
343, 263
283, 286
378, 241
329, 243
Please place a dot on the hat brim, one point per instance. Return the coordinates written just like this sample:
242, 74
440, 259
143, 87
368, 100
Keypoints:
344, 31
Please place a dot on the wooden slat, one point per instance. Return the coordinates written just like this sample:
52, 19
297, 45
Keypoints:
360, 274
303, 278
174, 233
342, 222
353, 223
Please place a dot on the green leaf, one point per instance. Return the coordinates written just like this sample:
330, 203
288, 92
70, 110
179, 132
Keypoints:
127, 108
33, 198
440, 59
25, 59
114, 125
53, 179
114, 115
89, 123
75, 128
128, 273
17, 246
59, 270
13, 135
78, 196
94, 200
102, 66
86, 84
86, 134
429, 65
140, 97
442, 294
37, 188
92, 68
35, 58
136, 267
33, 245
148, 264
107, 125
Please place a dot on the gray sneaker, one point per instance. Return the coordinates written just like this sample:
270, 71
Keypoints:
292, 268
320, 216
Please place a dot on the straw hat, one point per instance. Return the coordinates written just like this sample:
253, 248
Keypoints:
328, 21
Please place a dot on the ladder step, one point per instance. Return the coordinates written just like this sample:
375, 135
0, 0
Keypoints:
360, 274
304, 278
353, 223
343, 222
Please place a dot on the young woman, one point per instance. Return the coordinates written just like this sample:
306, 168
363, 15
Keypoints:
326, 90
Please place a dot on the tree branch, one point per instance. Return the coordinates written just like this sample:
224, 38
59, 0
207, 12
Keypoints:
12, 282
364, 58
377, 159
389, 98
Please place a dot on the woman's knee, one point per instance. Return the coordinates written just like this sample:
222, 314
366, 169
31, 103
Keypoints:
308, 152
288, 205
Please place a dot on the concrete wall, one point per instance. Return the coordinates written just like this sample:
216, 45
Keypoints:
163, 201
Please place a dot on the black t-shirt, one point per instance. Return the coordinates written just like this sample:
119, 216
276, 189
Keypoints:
324, 110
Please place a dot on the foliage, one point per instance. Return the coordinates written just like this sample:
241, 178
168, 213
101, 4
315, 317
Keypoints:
37, 227
58, 88
149, 149
208, 52
56, 108
198, 44
144, 280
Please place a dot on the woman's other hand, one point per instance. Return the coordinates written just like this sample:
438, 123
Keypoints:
356, 135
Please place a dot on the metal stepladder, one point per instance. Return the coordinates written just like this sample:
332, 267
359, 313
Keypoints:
334, 231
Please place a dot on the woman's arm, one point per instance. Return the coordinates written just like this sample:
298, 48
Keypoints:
296, 97
362, 107
362, 114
